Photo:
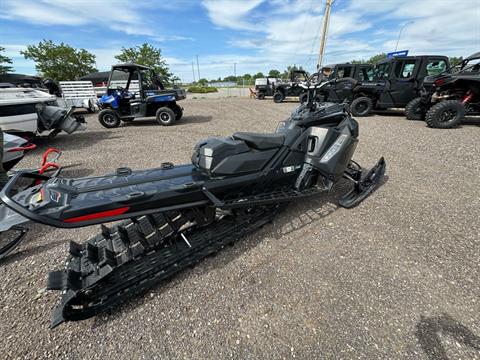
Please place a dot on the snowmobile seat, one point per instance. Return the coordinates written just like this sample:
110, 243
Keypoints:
261, 141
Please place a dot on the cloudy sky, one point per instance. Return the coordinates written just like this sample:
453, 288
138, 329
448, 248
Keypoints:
258, 35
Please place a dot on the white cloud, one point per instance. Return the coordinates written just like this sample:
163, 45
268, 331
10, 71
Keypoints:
164, 38
231, 14
125, 16
287, 30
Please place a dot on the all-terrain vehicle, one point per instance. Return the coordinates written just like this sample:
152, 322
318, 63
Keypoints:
447, 97
347, 75
177, 215
264, 87
135, 91
295, 86
395, 82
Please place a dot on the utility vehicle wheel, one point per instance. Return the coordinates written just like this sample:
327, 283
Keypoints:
278, 97
178, 111
91, 107
415, 109
361, 106
303, 98
261, 96
109, 119
445, 114
165, 116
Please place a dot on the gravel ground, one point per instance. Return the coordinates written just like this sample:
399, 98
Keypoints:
396, 277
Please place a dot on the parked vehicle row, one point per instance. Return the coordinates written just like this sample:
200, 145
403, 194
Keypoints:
426, 86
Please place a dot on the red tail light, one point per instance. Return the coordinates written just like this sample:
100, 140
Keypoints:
439, 82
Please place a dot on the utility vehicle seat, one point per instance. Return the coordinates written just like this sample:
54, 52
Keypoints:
261, 141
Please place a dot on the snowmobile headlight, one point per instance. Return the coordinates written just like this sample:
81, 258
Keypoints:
334, 149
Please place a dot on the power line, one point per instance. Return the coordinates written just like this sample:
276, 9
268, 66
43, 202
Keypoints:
295, 54
198, 69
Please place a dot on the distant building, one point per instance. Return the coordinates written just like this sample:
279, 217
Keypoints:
220, 84
98, 78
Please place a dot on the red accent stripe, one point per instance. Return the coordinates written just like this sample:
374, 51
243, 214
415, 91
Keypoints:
26, 147
99, 215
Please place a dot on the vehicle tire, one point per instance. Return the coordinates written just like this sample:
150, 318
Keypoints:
446, 114
178, 111
165, 116
278, 97
415, 109
91, 107
109, 118
303, 98
361, 106
261, 96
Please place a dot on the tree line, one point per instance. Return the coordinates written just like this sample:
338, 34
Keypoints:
63, 62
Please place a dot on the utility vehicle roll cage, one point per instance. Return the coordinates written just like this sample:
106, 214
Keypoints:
140, 70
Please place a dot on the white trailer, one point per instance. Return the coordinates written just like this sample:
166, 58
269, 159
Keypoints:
78, 94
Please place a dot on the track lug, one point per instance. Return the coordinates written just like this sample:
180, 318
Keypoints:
57, 280
106, 257
92, 252
75, 249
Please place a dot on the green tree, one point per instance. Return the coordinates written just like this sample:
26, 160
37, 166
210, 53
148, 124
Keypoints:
230, 78
203, 82
455, 60
247, 78
5, 60
60, 62
274, 73
376, 58
146, 55
373, 60
258, 75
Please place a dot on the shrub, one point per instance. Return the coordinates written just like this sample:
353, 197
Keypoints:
202, 89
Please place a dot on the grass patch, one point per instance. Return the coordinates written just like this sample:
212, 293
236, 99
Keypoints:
202, 89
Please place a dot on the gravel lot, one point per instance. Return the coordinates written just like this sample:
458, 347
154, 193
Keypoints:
396, 277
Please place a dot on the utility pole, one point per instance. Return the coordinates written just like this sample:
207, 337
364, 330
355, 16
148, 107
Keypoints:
198, 69
193, 72
323, 39
235, 73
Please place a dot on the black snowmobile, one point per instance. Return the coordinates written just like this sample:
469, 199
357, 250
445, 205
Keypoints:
173, 216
